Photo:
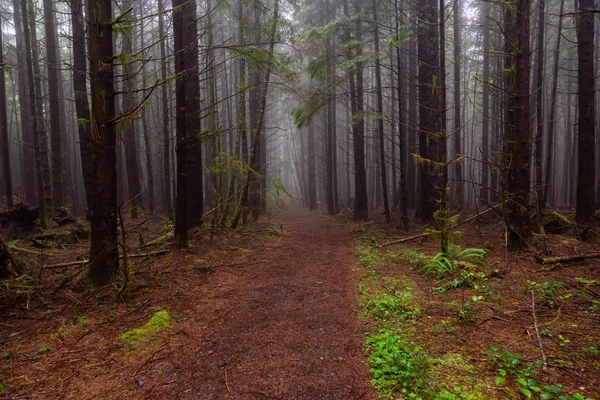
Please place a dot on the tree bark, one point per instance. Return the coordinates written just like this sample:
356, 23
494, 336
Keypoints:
401, 131
516, 154
58, 196
459, 184
4, 140
103, 250
127, 120
166, 135
380, 126
195, 195
82, 106
39, 138
361, 200
485, 109
429, 104
27, 126
586, 80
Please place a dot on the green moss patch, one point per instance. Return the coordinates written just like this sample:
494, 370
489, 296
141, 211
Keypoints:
158, 323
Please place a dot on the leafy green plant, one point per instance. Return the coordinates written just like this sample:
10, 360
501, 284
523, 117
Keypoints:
441, 265
465, 312
368, 258
444, 264
592, 350
547, 290
398, 366
513, 370
400, 305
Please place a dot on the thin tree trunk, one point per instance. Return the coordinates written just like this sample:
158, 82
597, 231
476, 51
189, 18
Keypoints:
127, 123
429, 105
254, 155
145, 134
27, 126
548, 181
166, 135
457, 111
539, 184
4, 140
401, 132
41, 155
58, 196
361, 200
380, 126
485, 109
81, 97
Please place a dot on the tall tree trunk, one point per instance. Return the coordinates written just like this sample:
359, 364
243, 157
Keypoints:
127, 121
586, 124
361, 200
380, 126
4, 140
145, 134
81, 97
429, 104
460, 191
166, 135
58, 196
256, 72
27, 125
443, 214
194, 182
330, 168
312, 177
254, 154
516, 154
401, 130
39, 137
539, 184
413, 129
485, 109
181, 11
241, 114
103, 250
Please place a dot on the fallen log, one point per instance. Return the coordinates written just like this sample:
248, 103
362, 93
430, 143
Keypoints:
425, 234
570, 258
137, 255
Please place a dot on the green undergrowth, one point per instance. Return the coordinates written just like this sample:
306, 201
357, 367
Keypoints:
160, 321
519, 379
400, 367
411, 358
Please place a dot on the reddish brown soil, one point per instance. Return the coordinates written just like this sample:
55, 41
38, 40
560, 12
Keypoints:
253, 317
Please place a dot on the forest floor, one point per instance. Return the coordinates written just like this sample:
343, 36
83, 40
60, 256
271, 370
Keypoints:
261, 312
302, 306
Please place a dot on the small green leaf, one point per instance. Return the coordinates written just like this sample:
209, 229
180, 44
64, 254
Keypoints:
526, 392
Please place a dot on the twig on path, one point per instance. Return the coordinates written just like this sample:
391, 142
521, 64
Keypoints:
537, 330
227, 382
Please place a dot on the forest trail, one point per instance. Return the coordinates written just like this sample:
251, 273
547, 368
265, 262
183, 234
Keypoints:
290, 330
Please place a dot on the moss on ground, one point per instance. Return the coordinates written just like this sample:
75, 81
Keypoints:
158, 323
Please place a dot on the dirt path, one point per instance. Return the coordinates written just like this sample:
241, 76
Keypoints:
288, 329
